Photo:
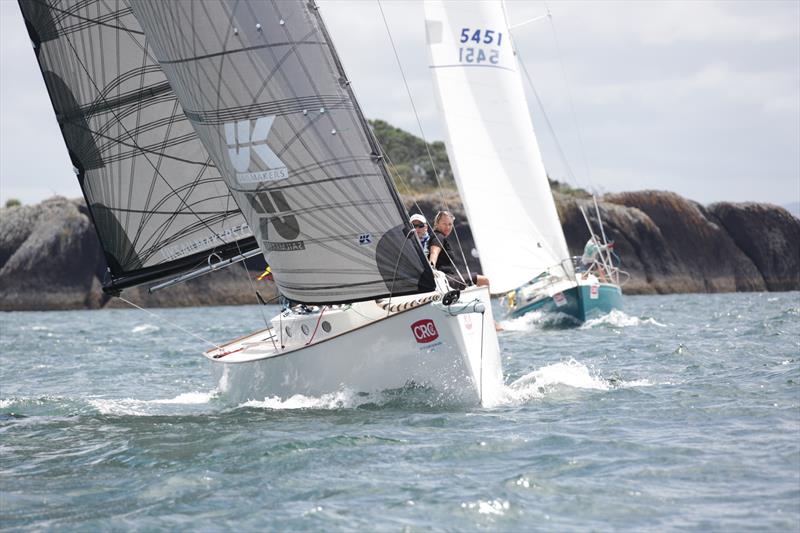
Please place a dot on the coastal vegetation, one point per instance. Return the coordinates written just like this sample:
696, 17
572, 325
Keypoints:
409, 162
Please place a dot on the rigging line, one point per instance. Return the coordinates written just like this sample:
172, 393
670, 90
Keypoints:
255, 292
441, 247
247, 272
397, 265
135, 143
570, 99
162, 319
547, 119
413, 105
559, 147
402, 179
422, 134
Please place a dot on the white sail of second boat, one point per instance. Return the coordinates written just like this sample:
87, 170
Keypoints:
491, 143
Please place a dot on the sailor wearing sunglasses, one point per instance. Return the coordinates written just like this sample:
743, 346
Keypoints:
421, 229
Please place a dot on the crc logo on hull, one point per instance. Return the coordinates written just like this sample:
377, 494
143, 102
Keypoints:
240, 139
425, 331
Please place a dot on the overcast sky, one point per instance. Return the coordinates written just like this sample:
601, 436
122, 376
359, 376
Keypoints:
700, 98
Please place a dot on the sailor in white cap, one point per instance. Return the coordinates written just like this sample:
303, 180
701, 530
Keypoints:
421, 228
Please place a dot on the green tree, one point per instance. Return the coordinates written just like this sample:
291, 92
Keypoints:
13, 202
408, 159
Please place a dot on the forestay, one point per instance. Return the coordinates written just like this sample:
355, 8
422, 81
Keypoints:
265, 91
156, 199
491, 143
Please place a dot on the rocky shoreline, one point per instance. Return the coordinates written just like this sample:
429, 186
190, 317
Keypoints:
50, 258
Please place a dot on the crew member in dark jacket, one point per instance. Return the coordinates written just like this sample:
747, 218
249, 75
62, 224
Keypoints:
441, 253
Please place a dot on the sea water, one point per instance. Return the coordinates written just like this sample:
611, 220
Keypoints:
682, 412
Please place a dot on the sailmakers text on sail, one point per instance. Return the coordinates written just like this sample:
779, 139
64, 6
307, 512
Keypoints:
241, 138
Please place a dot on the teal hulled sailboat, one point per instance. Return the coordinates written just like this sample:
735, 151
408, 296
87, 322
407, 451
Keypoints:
499, 170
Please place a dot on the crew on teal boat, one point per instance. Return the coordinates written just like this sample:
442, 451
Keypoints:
591, 254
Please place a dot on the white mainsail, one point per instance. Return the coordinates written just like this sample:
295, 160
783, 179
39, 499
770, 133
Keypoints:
491, 143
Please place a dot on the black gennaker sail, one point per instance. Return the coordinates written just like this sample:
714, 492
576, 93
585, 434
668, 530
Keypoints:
156, 199
157, 202
263, 89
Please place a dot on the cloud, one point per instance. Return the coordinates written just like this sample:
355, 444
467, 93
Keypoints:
33, 159
702, 98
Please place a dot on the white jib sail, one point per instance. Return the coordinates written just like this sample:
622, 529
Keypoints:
491, 143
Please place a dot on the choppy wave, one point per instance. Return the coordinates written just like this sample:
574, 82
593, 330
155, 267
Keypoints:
490, 507
538, 320
342, 399
50, 405
565, 374
135, 407
535, 385
145, 328
625, 412
618, 319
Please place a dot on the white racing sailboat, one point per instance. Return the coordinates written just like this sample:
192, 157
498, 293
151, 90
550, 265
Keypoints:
203, 132
499, 170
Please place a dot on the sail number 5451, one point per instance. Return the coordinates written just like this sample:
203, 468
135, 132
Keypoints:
481, 52
481, 36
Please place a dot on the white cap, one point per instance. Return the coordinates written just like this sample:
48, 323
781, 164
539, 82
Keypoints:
418, 218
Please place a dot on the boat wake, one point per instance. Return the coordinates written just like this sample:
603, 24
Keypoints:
134, 407
342, 399
554, 380
539, 320
618, 319
563, 377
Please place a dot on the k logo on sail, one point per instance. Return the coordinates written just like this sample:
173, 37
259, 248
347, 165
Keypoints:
241, 138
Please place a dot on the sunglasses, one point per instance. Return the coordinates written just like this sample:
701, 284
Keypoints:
419, 225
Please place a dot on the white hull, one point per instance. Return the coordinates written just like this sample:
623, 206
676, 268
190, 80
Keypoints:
368, 349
